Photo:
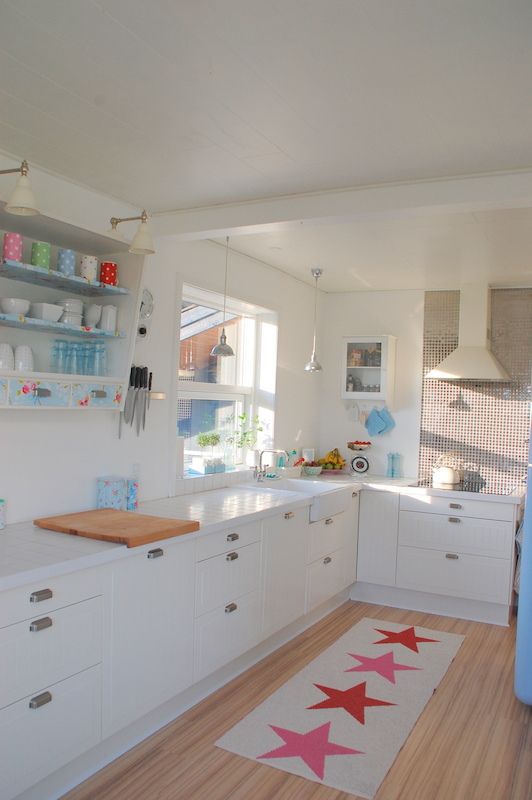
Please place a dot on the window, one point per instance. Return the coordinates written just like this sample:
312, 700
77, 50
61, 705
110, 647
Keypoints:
228, 396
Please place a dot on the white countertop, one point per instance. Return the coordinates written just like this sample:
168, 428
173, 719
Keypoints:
28, 553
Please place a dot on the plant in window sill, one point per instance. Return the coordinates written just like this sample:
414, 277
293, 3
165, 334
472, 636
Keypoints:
246, 432
212, 464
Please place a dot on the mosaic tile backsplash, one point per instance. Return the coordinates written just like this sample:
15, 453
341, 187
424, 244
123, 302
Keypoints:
485, 423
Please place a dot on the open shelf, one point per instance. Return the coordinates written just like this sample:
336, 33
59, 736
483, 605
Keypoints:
83, 332
17, 271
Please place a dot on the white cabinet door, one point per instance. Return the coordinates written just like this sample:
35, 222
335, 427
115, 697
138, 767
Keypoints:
351, 541
46, 730
152, 630
377, 537
325, 578
284, 557
225, 633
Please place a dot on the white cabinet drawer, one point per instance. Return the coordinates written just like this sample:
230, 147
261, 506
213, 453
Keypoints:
225, 633
470, 576
46, 649
223, 578
41, 597
226, 540
328, 534
485, 537
457, 507
36, 741
325, 578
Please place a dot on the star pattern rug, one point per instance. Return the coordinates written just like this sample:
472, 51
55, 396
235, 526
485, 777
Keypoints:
342, 720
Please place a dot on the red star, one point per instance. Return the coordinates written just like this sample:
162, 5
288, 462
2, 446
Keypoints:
407, 637
353, 700
312, 747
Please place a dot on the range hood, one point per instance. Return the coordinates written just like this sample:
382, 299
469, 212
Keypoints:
472, 359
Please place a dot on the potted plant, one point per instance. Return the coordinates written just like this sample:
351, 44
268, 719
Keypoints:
245, 433
209, 465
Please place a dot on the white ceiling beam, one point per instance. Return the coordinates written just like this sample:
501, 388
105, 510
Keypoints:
472, 193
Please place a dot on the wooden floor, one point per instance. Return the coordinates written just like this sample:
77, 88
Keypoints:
473, 741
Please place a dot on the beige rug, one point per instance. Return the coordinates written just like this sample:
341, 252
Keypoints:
342, 720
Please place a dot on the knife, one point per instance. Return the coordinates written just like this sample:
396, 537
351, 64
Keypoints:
136, 389
149, 388
141, 398
123, 414
146, 398
129, 396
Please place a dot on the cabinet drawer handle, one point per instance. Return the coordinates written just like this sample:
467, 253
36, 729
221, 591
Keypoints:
329, 521
455, 505
99, 393
40, 392
289, 515
327, 560
454, 519
354, 494
40, 700
452, 556
41, 594
156, 553
231, 556
40, 624
233, 537
230, 608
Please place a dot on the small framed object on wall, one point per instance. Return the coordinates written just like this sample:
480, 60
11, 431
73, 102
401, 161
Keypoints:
367, 368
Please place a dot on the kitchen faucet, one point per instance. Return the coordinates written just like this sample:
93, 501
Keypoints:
261, 472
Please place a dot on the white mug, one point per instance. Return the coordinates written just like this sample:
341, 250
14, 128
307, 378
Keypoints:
92, 315
89, 268
23, 358
108, 318
7, 359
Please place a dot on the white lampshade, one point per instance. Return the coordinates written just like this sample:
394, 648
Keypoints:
22, 200
142, 242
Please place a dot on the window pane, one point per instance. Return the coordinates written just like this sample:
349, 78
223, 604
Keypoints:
201, 328
196, 416
268, 357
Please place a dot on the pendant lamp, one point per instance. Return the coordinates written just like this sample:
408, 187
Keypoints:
222, 348
22, 200
313, 365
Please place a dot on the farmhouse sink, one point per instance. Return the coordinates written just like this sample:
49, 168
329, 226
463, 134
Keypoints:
327, 498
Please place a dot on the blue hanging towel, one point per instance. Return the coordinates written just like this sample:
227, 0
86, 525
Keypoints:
374, 423
387, 419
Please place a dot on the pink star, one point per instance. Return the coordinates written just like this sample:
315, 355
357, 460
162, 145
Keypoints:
312, 747
384, 665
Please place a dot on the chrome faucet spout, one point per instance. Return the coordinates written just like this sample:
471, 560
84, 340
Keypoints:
279, 452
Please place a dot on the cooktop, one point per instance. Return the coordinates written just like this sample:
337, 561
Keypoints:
477, 485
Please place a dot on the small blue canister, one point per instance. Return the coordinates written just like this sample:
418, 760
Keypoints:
112, 493
66, 262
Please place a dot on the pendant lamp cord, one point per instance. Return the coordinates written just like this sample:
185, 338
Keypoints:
315, 316
225, 283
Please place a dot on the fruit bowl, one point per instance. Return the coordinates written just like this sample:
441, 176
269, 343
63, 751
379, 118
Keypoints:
358, 445
311, 470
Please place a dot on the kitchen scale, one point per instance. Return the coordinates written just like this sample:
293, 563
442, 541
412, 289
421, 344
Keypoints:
359, 463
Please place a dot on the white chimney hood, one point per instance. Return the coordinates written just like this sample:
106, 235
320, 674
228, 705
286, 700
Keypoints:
472, 359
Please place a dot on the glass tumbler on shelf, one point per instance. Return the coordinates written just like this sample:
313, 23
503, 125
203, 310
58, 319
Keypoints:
100, 359
59, 356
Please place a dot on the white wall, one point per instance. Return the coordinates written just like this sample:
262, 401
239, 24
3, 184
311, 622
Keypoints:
50, 459
373, 313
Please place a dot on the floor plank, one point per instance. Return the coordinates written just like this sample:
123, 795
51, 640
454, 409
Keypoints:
473, 741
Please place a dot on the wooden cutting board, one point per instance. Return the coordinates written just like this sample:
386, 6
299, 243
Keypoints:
124, 527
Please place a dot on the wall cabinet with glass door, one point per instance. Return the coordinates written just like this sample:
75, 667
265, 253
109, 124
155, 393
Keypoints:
66, 365
367, 369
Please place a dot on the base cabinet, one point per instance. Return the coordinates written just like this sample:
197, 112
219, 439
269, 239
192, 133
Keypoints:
152, 630
377, 537
50, 728
285, 538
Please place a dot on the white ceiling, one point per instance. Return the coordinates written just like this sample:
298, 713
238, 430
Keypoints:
174, 104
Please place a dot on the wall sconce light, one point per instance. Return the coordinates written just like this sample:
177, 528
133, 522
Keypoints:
142, 243
22, 200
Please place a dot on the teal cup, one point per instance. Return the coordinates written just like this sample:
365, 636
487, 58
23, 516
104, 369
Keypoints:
40, 254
